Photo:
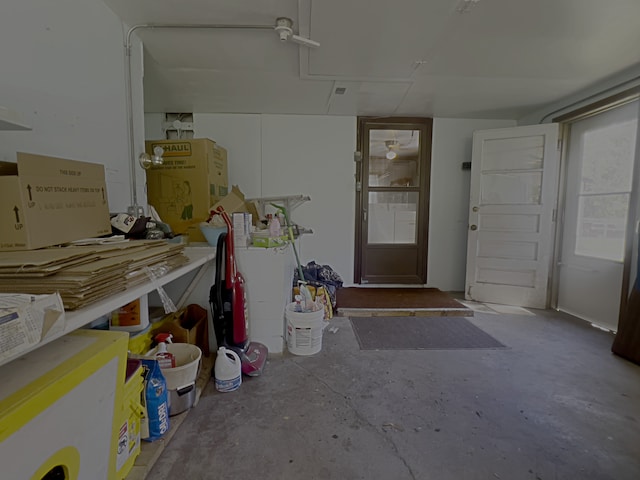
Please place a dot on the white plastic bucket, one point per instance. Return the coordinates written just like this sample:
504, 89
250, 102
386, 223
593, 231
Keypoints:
304, 330
187, 362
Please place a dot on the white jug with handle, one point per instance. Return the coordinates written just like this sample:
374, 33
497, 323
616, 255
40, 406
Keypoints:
227, 370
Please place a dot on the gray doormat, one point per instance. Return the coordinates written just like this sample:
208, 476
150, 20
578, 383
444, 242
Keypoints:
420, 333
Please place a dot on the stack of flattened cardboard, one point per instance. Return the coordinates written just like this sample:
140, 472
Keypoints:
85, 274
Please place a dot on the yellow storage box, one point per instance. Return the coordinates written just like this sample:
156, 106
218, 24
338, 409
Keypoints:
130, 416
58, 408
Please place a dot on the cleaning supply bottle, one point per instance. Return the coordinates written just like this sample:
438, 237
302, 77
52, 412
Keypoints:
165, 359
274, 227
155, 421
227, 370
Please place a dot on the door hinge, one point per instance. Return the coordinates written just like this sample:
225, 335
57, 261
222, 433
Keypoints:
357, 156
559, 144
554, 215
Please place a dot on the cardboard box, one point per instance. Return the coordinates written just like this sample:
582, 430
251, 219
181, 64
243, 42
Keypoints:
187, 325
192, 178
269, 242
232, 203
47, 201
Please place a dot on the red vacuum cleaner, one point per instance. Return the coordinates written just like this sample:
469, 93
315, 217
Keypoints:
229, 307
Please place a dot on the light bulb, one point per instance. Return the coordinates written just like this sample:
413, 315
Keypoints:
391, 155
157, 159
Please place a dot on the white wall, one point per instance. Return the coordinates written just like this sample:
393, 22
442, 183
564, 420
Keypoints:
449, 209
271, 155
291, 154
313, 155
63, 71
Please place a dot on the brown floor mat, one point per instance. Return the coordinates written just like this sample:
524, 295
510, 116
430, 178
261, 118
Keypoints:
355, 301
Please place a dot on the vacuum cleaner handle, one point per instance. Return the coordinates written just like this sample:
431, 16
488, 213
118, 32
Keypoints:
231, 261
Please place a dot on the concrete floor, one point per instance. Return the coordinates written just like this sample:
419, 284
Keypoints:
556, 404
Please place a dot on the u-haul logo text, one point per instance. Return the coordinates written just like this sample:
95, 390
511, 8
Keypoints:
178, 149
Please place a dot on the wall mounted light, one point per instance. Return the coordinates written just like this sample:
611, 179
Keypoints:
146, 160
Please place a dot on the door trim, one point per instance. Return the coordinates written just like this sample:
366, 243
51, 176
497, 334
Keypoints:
362, 155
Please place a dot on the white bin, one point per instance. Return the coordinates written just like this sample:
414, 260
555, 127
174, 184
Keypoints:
304, 330
181, 378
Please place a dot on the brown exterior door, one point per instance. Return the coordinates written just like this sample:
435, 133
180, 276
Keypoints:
392, 200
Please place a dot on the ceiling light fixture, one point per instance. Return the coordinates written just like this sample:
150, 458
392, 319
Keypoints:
466, 5
391, 145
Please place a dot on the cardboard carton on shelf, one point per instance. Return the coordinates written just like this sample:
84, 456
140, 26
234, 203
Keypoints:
192, 178
47, 201
235, 202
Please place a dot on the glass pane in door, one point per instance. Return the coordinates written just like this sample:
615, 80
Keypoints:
392, 217
511, 188
394, 159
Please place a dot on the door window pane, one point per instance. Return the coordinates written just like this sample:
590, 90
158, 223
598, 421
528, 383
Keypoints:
392, 217
511, 188
518, 153
394, 159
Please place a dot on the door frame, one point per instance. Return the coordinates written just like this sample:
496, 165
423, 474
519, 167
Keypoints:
361, 155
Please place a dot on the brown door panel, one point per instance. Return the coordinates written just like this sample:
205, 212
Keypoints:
389, 264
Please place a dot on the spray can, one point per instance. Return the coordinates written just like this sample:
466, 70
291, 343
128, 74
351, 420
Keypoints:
227, 370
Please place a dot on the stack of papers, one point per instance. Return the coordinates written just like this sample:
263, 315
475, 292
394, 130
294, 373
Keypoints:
25, 320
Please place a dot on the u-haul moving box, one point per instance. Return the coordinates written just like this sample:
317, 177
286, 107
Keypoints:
47, 201
192, 178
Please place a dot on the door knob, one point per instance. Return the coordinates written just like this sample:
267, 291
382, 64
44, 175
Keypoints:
473, 227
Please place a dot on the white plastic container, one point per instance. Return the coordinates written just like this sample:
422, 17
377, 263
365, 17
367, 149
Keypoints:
132, 317
227, 370
187, 362
304, 330
181, 388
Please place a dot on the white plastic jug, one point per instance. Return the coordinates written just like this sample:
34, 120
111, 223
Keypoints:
227, 371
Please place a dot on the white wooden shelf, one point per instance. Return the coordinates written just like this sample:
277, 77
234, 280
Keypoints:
198, 257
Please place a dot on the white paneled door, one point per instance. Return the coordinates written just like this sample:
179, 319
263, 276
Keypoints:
513, 198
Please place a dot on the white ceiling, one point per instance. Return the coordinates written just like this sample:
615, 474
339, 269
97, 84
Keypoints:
501, 59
